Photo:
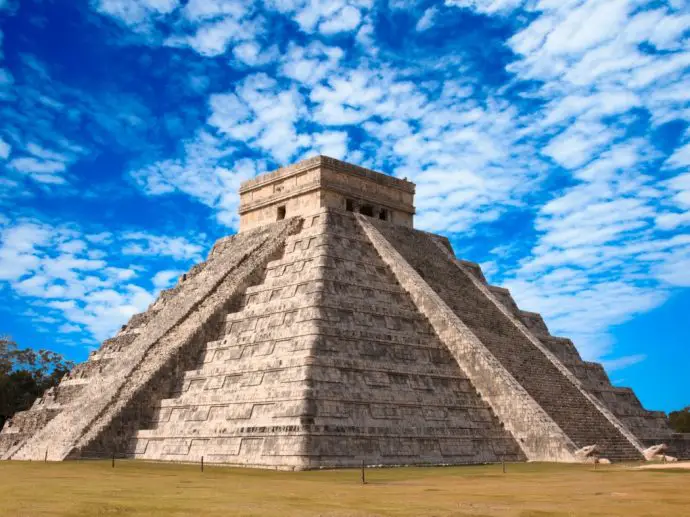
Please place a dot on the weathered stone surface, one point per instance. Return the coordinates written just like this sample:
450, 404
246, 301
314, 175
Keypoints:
587, 451
326, 364
317, 337
582, 417
538, 435
658, 453
112, 404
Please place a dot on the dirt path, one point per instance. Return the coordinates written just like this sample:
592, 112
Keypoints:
678, 465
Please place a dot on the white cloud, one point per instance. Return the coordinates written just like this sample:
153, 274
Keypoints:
46, 154
212, 39
312, 63
142, 244
673, 220
676, 270
207, 172
31, 165
19, 248
590, 24
67, 328
260, 113
251, 54
578, 144
5, 149
330, 143
197, 10
427, 20
680, 157
164, 279
348, 99
620, 363
134, 12
486, 6
207, 26
345, 19
325, 16
53, 268
677, 211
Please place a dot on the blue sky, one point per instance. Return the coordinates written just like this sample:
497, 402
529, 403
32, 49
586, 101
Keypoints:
549, 140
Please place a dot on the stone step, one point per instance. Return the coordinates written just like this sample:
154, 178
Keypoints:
560, 397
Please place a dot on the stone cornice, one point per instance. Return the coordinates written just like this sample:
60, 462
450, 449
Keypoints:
331, 164
321, 184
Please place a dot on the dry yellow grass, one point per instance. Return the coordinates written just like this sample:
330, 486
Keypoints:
527, 490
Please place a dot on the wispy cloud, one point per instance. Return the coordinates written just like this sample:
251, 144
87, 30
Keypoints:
541, 124
602, 254
81, 277
427, 19
620, 363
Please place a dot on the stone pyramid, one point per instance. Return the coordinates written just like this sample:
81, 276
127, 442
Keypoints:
328, 332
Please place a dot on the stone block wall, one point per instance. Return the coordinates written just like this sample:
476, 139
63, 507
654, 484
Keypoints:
650, 427
107, 408
327, 363
328, 340
584, 421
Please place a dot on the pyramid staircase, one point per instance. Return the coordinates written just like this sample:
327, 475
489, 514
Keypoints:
335, 336
581, 416
326, 363
95, 409
328, 340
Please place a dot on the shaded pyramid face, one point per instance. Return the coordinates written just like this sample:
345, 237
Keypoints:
326, 363
561, 404
326, 340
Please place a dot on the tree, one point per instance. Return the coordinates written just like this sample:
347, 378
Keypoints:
680, 420
25, 374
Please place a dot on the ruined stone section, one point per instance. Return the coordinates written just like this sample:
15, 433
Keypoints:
532, 324
107, 410
649, 427
326, 364
246, 401
583, 418
55, 400
540, 438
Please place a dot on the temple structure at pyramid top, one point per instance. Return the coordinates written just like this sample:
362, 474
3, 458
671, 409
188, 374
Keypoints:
329, 332
323, 182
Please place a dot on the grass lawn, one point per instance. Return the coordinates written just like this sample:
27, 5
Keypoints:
527, 490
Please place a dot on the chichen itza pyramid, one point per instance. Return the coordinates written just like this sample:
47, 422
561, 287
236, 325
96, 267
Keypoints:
329, 332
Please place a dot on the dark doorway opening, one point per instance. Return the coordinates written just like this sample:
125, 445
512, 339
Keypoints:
349, 205
383, 214
367, 210
281, 213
